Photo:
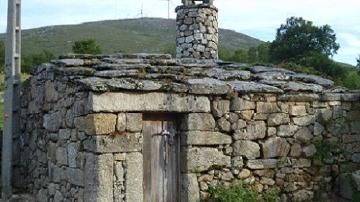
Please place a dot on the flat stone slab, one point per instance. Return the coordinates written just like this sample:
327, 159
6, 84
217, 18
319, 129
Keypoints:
223, 74
147, 102
161, 73
252, 87
208, 86
312, 79
260, 69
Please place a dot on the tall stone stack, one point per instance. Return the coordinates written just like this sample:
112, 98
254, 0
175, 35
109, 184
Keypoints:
197, 30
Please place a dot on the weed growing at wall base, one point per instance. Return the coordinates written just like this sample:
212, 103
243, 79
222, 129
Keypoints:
241, 193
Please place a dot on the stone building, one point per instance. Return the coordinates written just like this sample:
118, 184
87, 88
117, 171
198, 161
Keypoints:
148, 127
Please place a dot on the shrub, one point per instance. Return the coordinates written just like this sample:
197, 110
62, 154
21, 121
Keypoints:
29, 62
238, 193
352, 80
86, 47
241, 193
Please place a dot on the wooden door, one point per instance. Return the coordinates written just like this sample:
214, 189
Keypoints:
161, 159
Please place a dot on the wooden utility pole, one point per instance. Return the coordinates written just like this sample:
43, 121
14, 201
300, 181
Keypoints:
12, 92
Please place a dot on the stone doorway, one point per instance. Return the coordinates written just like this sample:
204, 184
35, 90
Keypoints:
161, 150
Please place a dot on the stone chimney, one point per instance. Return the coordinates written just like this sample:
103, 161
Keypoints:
197, 30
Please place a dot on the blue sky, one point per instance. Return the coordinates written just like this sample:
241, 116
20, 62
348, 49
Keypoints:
257, 18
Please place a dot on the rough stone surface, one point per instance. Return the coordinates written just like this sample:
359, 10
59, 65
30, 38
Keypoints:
97, 124
266, 108
287, 130
134, 122
278, 119
309, 150
254, 130
238, 104
249, 149
304, 120
201, 159
262, 164
199, 121
252, 87
52, 122
121, 122
275, 147
189, 188
303, 135
127, 142
99, 178
297, 110
197, 32
109, 102
208, 86
221, 107
205, 138
134, 177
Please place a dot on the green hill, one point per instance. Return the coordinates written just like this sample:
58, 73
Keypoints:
128, 35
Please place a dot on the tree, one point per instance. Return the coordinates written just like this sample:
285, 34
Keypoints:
299, 37
2, 56
240, 55
264, 52
86, 47
225, 54
252, 55
358, 62
29, 62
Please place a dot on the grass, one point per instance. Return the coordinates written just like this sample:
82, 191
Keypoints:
2, 87
241, 193
24, 76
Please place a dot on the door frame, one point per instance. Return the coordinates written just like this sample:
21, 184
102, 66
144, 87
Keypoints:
161, 117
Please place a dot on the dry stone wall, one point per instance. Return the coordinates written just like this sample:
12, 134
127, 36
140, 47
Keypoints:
197, 32
267, 127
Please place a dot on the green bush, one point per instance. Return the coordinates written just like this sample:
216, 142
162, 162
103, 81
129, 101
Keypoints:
29, 62
252, 55
238, 193
319, 64
351, 80
241, 193
170, 49
322, 63
225, 54
299, 68
88, 46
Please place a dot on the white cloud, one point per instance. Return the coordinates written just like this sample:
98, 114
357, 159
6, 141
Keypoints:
350, 39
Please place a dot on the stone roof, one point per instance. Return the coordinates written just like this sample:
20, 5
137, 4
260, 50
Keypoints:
161, 72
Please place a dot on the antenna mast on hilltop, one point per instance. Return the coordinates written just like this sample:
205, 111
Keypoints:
168, 1
12, 92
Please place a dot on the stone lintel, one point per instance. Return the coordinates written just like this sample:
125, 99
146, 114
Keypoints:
147, 102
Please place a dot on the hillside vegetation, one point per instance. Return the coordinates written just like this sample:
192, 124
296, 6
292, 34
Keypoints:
153, 35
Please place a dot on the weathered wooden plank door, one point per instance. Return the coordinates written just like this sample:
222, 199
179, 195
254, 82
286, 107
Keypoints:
161, 159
